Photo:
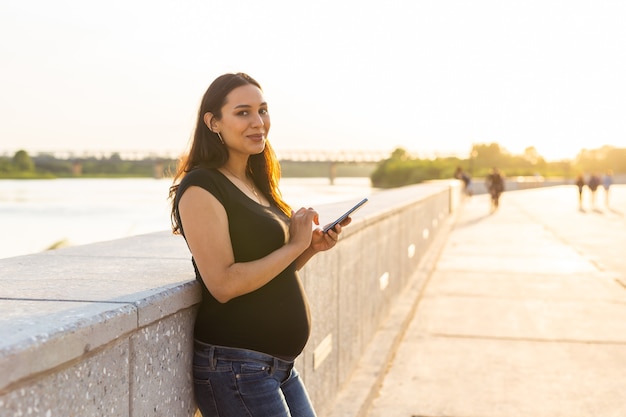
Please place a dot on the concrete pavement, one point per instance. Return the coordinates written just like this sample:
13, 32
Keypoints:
524, 315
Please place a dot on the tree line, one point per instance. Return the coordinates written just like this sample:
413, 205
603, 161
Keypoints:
399, 169
23, 165
402, 169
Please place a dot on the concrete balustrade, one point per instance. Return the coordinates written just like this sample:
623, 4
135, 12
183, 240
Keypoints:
106, 329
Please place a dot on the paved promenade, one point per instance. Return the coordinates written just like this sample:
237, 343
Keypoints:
523, 316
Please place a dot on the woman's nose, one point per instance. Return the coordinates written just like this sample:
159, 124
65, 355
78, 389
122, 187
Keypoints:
257, 120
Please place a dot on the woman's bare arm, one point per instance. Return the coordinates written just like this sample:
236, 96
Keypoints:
205, 224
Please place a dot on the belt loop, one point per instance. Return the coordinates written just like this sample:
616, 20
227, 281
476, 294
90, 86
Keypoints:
274, 366
212, 360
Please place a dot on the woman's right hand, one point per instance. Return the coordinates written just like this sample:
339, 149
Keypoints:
301, 227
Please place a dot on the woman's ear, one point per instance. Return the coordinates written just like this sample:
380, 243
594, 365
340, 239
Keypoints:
210, 121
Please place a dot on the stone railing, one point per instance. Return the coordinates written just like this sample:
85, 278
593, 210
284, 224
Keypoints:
106, 329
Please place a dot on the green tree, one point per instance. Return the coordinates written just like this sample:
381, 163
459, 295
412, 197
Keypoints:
532, 155
616, 160
5, 165
22, 162
400, 169
488, 156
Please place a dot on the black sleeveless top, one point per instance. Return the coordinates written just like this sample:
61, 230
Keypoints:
274, 319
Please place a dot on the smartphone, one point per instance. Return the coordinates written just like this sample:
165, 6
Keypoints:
345, 215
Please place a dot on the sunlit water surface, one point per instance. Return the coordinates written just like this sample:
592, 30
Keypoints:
38, 214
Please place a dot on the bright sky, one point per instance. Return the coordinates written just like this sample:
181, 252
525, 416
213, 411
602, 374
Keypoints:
432, 77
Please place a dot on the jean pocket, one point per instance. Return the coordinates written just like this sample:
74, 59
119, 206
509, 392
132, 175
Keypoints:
255, 378
203, 372
253, 368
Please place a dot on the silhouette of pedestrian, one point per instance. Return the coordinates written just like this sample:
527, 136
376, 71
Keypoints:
593, 184
607, 181
495, 185
580, 183
467, 181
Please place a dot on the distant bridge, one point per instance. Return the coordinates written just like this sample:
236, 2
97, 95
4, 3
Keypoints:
332, 157
295, 155
341, 156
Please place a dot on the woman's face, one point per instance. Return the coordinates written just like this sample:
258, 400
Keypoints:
245, 120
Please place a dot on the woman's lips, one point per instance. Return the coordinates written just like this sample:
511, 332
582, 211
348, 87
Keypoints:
257, 137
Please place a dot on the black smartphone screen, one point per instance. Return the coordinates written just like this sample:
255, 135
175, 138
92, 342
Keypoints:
345, 215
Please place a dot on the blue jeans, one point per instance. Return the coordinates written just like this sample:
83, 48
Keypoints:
231, 382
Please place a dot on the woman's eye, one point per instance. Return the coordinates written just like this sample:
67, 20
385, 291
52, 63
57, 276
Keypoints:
247, 112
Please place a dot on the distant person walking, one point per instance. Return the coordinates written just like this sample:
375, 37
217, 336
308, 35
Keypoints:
593, 184
467, 181
580, 183
607, 181
495, 185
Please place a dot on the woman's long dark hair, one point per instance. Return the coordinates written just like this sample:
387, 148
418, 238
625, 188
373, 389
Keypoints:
208, 151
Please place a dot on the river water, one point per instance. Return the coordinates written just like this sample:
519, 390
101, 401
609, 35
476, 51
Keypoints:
38, 214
